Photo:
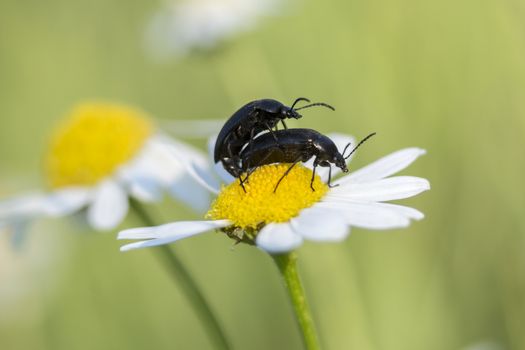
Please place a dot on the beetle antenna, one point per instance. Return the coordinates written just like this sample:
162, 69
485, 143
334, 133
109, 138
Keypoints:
316, 104
299, 100
346, 147
359, 144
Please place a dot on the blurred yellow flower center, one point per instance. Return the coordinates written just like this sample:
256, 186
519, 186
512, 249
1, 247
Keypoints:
93, 142
260, 204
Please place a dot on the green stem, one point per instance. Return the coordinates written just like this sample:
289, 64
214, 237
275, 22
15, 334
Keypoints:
287, 264
189, 287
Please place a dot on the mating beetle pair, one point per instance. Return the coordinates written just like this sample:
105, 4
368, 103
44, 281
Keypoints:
245, 124
240, 148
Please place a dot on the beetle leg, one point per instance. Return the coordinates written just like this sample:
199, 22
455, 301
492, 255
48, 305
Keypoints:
313, 178
273, 134
241, 182
249, 173
284, 124
286, 173
330, 178
233, 165
316, 164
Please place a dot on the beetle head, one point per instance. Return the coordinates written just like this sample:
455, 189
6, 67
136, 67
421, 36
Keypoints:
288, 113
340, 162
231, 166
327, 154
336, 159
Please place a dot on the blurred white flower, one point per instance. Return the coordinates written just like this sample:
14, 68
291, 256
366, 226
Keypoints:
100, 156
181, 26
280, 221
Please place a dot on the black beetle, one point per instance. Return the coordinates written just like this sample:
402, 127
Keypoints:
251, 119
295, 145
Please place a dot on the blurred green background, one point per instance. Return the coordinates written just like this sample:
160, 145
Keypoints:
447, 76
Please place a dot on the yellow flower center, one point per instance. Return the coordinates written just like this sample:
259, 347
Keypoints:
93, 142
260, 204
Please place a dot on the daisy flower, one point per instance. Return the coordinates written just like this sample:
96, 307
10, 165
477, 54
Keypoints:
279, 222
182, 26
99, 157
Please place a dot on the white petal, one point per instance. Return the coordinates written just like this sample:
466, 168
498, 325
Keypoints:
109, 207
384, 167
319, 224
223, 174
375, 216
164, 164
211, 147
28, 205
17, 214
66, 201
197, 165
168, 159
183, 151
145, 189
58, 203
278, 238
176, 229
408, 212
187, 190
162, 159
203, 178
154, 162
391, 188
168, 233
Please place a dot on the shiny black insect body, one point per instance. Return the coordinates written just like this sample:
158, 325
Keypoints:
250, 120
295, 145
